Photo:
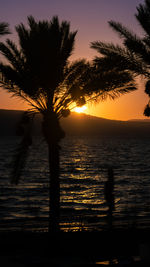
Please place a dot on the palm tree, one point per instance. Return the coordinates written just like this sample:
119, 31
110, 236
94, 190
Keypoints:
134, 55
39, 73
4, 28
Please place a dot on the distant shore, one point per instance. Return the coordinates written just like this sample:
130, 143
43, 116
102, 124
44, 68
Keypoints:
80, 125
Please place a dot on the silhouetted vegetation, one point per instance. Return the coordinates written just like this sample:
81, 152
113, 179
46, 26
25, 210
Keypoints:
134, 55
39, 73
4, 28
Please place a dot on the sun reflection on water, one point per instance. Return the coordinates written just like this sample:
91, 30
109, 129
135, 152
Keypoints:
83, 174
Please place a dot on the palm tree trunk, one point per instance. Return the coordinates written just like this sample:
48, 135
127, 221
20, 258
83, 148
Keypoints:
53, 134
54, 188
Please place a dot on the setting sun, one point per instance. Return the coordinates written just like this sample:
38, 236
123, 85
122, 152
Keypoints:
80, 109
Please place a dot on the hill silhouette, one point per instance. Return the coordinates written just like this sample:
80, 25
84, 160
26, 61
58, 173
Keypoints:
82, 124
79, 124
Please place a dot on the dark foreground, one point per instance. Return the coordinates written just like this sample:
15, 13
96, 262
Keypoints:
117, 247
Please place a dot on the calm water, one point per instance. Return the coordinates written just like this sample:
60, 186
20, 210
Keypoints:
84, 164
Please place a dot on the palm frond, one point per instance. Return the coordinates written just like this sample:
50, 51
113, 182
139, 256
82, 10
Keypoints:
23, 34
131, 41
143, 16
70, 89
18, 55
75, 77
4, 28
110, 84
123, 31
8, 54
122, 56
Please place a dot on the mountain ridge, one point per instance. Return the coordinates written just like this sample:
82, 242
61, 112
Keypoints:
79, 124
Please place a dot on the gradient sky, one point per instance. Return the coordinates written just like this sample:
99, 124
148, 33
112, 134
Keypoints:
90, 18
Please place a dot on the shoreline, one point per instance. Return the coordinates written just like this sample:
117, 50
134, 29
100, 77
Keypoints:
87, 247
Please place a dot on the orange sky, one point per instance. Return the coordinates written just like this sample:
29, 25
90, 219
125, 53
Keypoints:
90, 18
124, 108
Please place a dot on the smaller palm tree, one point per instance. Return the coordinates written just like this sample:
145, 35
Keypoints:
134, 54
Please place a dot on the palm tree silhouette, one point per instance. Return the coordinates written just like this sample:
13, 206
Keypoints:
39, 73
4, 28
134, 55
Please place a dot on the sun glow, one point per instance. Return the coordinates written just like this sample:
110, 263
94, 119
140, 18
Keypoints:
80, 109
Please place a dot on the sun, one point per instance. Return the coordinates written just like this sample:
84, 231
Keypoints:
80, 109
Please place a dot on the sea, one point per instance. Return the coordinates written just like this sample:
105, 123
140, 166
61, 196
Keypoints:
84, 164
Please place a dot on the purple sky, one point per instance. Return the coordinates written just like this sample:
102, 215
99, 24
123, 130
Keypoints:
90, 18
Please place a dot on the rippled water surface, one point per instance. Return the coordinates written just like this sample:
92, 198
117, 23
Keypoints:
84, 165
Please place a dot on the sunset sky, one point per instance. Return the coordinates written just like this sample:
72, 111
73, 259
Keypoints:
90, 18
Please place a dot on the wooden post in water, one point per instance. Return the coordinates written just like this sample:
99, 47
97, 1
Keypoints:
109, 196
